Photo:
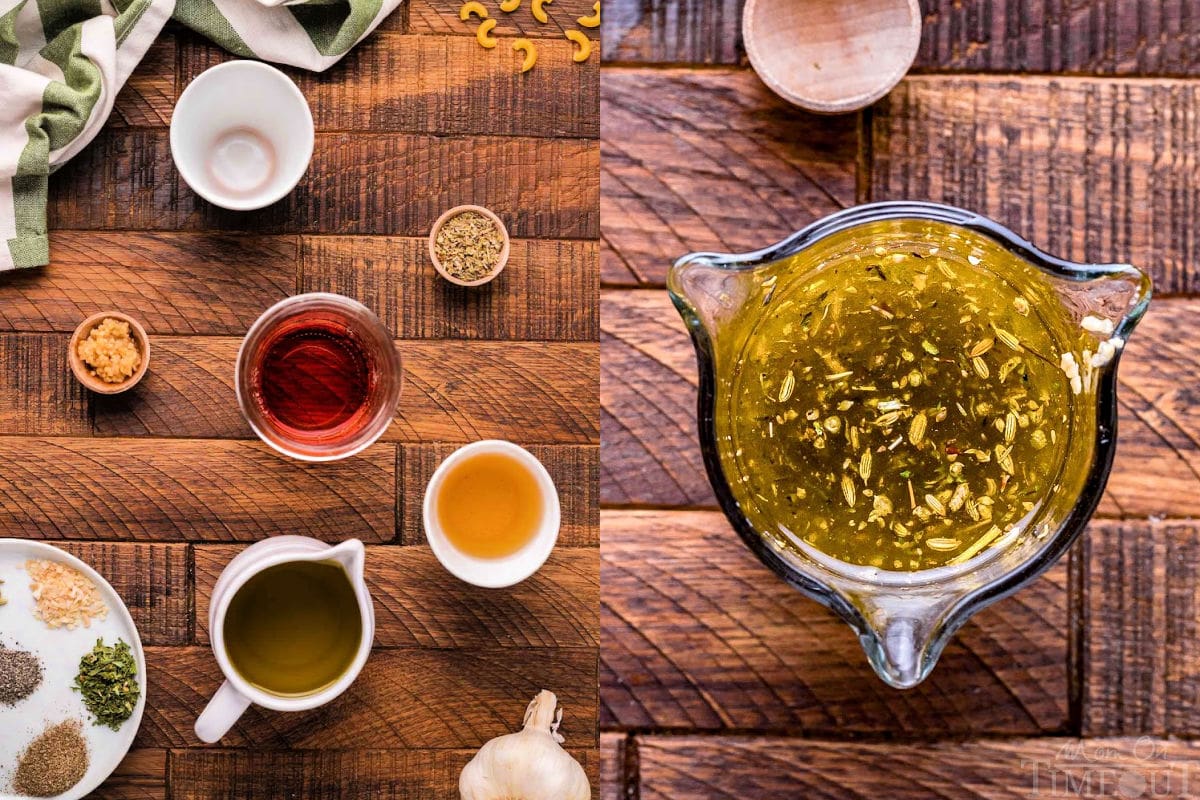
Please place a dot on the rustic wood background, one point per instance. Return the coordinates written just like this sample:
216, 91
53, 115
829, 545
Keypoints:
1076, 123
159, 488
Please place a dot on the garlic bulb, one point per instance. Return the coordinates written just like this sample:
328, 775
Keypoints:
527, 765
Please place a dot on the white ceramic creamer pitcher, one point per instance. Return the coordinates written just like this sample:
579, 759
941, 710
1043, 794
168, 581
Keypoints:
237, 694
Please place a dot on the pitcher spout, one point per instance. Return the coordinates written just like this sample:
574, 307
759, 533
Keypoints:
710, 288
904, 642
352, 555
1118, 293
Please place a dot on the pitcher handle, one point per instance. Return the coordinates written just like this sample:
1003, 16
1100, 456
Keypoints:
227, 705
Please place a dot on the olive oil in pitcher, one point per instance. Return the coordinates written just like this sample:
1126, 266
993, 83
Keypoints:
294, 628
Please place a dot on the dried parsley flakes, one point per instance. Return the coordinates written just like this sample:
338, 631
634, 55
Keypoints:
108, 681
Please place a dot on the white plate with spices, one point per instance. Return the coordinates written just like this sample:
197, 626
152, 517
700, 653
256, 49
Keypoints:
59, 650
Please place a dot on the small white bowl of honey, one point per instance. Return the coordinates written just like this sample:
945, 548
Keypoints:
491, 513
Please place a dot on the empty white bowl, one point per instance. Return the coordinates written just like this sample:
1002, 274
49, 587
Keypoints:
242, 135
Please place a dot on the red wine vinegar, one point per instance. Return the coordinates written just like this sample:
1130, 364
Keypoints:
315, 381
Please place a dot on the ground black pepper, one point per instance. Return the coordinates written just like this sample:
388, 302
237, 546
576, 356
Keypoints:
53, 762
20, 674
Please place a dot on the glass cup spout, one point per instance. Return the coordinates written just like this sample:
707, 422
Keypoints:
900, 638
905, 613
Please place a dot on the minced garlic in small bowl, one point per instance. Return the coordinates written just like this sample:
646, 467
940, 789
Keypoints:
109, 352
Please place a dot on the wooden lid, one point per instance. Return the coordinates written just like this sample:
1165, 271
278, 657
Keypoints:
500, 262
831, 56
81, 370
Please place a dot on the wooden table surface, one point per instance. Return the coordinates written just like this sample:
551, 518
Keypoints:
1078, 125
159, 488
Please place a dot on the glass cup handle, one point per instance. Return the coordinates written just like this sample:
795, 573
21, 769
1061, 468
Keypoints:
227, 705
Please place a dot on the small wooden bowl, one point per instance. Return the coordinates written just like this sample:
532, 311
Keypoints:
831, 56
437, 226
80, 369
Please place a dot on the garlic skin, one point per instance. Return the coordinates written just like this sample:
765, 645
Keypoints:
527, 765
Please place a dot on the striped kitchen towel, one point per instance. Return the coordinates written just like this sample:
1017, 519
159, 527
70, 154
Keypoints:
62, 63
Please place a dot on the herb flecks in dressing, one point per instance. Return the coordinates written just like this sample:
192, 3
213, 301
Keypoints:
900, 408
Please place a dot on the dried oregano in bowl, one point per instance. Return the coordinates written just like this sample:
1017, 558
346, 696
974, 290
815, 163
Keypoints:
469, 245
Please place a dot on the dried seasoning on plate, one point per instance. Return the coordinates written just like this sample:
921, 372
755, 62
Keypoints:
20, 674
53, 762
66, 598
107, 680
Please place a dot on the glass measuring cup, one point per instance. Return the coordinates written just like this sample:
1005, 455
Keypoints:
905, 618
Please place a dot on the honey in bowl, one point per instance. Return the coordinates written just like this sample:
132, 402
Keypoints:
903, 406
489, 505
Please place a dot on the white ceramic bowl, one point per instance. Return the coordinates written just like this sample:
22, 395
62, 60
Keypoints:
242, 135
494, 573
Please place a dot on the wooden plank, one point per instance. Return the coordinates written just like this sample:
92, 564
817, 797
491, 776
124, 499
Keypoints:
698, 635
368, 183
419, 604
1157, 466
443, 699
188, 392
378, 774
209, 283
574, 469
1089, 169
142, 775
441, 17
148, 97
453, 392
673, 31
154, 580
1141, 599
711, 160
383, 774
708, 768
531, 392
442, 85
123, 489
648, 395
43, 396
1092, 36
612, 766
547, 292
648, 388
1089, 36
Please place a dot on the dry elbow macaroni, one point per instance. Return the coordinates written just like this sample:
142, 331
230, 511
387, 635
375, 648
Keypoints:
472, 7
593, 21
526, 46
585, 46
483, 34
